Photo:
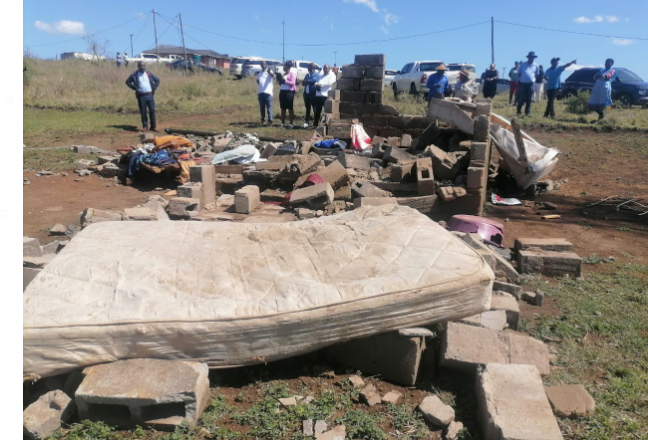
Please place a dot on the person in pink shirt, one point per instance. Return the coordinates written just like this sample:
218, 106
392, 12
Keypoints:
287, 90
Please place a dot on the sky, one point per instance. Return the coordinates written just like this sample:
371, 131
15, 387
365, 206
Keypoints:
221, 26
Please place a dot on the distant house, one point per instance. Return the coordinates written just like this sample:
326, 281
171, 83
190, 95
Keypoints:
207, 57
81, 56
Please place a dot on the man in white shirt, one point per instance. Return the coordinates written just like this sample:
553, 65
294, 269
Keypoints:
465, 88
528, 71
119, 59
325, 81
264, 81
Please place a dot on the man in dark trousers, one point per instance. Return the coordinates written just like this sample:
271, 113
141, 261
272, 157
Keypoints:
144, 83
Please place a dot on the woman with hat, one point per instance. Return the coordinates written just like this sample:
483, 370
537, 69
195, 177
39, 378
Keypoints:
602, 91
465, 88
437, 84
490, 78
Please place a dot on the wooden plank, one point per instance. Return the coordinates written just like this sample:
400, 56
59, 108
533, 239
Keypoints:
519, 141
550, 217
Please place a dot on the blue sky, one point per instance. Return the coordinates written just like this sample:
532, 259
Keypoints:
343, 21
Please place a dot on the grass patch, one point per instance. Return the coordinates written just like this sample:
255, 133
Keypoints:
86, 430
60, 159
360, 425
408, 424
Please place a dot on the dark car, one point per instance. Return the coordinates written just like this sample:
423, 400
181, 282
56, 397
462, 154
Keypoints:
191, 65
627, 89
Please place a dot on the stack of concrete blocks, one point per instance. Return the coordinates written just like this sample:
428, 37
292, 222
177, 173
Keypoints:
552, 257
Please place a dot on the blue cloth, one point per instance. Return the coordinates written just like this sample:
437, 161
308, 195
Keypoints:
309, 83
265, 101
437, 85
135, 162
160, 158
602, 90
329, 143
147, 103
553, 77
133, 81
528, 72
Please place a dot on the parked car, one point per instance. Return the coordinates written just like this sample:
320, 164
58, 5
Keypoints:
389, 77
413, 77
152, 58
455, 68
627, 89
253, 67
503, 85
236, 66
301, 67
193, 66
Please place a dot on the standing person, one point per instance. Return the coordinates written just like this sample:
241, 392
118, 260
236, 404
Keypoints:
144, 83
553, 84
602, 91
325, 81
515, 80
287, 91
126, 59
119, 59
437, 84
528, 71
490, 78
538, 85
264, 92
309, 93
466, 89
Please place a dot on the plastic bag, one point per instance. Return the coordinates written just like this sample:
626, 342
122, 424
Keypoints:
359, 138
243, 154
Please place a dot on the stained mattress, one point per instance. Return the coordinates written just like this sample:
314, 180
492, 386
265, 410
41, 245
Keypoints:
232, 294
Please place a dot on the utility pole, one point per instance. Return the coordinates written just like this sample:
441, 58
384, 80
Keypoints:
157, 48
184, 48
492, 40
131, 37
335, 62
283, 44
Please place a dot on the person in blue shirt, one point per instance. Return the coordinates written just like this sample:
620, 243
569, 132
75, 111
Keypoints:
437, 84
552, 75
528, 71
145, 84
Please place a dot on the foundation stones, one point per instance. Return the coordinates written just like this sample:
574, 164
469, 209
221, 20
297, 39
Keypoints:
436, 412
570, 400
43, 417
246, 199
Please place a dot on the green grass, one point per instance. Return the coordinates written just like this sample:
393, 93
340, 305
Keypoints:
54, 159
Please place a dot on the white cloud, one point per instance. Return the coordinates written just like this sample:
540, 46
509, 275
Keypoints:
622, 41
389, 17
371, 4
329, 20
597, 19
61, 27
384, 29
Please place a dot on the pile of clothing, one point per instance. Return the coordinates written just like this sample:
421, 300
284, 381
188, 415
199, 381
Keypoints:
164, 151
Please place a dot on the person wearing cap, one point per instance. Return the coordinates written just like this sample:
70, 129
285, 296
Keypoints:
438, 84
528, 71
515, 80
465, 88
552, 75
490, 78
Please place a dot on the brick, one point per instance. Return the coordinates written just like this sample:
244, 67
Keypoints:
149, 392
406, 141
91, 216
477, 178
396, 358
370, 60
335, 174
352, 96
429, 135
316, 196
511, 404
43, 417
375, 120
348, 84
361, 202
394, 141
483, 108
450, 193
513, 289
403, 172
395, 122
397, 155
194, 190
425, 177
334, 94
509, 305
423, 204
436, 412
354, 161
492, 319
362, 188
246, 199
374, 97
479, 151
183, 207
549, 263
31, 247
352, 72
332, 106
546, 244
371, 85
371, 130
386, 110
445, 166
140, 214
481, 129
570, 401
450, 113
341, 130
375, 72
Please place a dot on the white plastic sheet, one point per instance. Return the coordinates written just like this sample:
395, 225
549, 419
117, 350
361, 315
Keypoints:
243, 154
360, 140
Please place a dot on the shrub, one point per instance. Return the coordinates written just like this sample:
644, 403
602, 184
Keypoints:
578, 104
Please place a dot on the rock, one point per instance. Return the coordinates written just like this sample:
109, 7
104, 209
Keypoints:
337, 433
453, 430
570, 400
139, 214
305, 213
356, 381
320, 427
43, 417
31, 247
436, 412
29, 274
91, 216
83, 164
512, 404
51, 247
533, 298
370, 395
307, 427
288, 401
109, 170
392, 397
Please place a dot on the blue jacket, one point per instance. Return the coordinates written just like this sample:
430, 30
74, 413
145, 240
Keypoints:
133, 81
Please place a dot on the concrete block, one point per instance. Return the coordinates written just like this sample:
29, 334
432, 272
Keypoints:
31, 247
43, 417
509, 305
406, 141
101, 160
91, 215
335, 174
354, 161
206, 174
246, 199
451, 113
423, 204
183, 207
307, 427
158, 205
334, 94
340, 130
269, 150
148, 392
477, 178
347, 84
343, 193
83, 164
352, 96
350, 71
492, 319
512, 289
533, 298
374, 97
482, 108
445, 166
316, 196
570, 401
394, 141
29, 273
429, 135
479, 151
320, 427
449, 193
394, 357
481, 129
375, 72
425, 177
371, 85
109, 170
397, 155
403, 172
436, 412
37, 262
51, 247
193, 190
369, 395
370, 60
549, 263
374, 201
362, 188
390, 131
512, 404
546, 244
139, 214
331, 106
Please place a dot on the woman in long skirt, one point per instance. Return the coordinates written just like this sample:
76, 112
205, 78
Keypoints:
489, 79
602, 91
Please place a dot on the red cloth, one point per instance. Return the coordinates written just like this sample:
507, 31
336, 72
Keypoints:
513, 86
313, 179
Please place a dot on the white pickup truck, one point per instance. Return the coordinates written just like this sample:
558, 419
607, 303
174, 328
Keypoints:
153, 58
413, 77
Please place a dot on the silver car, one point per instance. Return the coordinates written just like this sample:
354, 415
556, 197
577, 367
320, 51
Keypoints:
253, 67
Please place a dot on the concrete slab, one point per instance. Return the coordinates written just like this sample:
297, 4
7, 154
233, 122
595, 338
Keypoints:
570, 400
546, 244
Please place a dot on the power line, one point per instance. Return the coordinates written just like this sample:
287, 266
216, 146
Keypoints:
571, 32
81, 38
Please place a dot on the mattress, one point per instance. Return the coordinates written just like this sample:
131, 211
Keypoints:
232, 294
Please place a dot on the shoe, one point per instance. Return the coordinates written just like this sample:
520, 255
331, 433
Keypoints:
154, 129
518, 114
305, 126
289, 126
143, 129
